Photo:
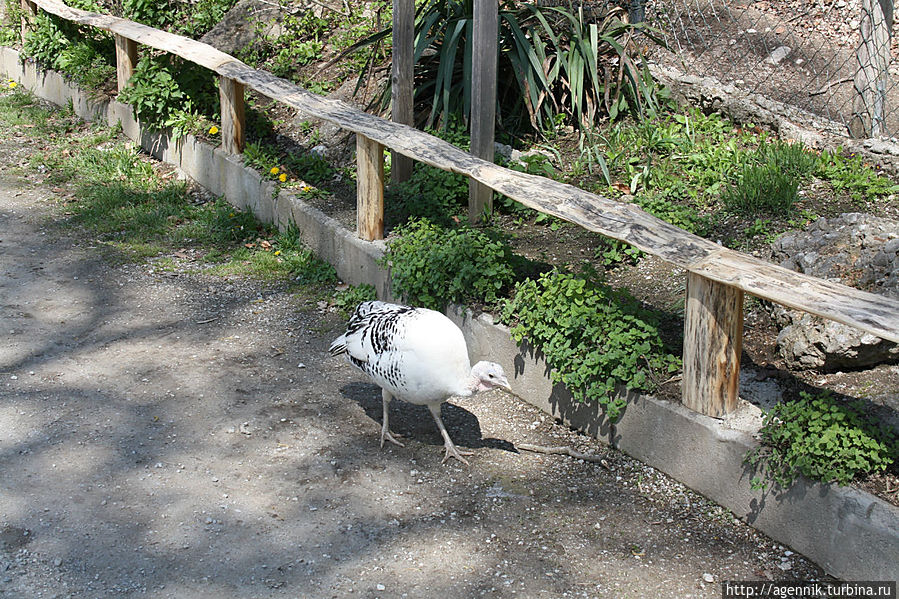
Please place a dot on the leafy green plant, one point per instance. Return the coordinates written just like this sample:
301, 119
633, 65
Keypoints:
86, 55
432, 193
432, 266
534, 164
163, 87
154, 13
197, 18
310, 167
260, 156
347, 299
301, 40
822, 438
595, 338
849, 174
792, 158
10, 31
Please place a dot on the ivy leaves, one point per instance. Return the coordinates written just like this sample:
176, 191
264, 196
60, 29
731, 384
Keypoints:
595, 338
821, 438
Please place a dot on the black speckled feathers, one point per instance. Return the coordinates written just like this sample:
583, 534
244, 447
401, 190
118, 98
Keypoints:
416, 354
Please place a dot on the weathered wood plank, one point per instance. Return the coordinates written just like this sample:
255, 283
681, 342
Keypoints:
867, 311
713, 340
231, 100
483, 100
198, 52
402, 80
369, 189
126, 60
872, 313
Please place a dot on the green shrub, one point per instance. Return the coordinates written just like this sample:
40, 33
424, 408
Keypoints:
552, 61
823, 439
850, 174
155, 13
164, 87
86, 55
595, 338
432, 193
432, 266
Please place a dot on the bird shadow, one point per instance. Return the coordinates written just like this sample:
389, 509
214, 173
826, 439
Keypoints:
415, 422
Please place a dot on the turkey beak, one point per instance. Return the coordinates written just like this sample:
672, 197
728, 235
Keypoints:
504, 383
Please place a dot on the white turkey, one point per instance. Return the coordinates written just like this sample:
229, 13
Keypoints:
416, 355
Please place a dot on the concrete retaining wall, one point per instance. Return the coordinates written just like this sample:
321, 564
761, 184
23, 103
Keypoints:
851, 534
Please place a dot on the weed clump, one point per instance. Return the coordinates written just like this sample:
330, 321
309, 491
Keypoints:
823, 439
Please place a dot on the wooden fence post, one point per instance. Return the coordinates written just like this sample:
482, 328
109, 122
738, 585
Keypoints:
125, 59
483, 99
233, 117
369, 188
872, 77
402, 77
29, 11
713, 340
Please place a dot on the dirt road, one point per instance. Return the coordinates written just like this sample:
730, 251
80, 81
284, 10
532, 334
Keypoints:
173, 434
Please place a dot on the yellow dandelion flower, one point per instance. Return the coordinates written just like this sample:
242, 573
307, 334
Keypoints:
12, 84
277, 252
213, 130
275, 170
282, 177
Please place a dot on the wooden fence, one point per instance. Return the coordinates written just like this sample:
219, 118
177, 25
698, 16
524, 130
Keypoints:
717, 276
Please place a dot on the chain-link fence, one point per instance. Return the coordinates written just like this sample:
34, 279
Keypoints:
833, 58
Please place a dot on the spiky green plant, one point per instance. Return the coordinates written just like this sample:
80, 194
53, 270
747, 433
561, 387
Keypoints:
553, 62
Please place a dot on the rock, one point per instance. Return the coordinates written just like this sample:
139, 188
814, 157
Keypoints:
237, 30
778, 54
859, 250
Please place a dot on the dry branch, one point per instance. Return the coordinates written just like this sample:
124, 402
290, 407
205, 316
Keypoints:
566, 450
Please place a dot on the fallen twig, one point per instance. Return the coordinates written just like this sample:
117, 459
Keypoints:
566, 451
829, 85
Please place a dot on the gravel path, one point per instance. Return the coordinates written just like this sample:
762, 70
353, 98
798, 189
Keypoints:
174, 434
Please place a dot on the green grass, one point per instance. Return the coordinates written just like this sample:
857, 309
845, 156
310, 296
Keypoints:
121, 199
20, 110
696, 171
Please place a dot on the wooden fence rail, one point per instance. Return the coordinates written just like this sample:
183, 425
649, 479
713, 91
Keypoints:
718, 277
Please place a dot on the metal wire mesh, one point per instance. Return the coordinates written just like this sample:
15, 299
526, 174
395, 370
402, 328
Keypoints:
833, 58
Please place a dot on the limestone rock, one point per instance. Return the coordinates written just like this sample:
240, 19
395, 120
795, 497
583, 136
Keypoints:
859, 250
238, 29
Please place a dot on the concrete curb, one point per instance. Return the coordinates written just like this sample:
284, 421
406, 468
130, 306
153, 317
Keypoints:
851, 534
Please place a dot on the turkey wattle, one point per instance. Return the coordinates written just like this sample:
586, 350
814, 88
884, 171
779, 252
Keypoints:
416, 355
